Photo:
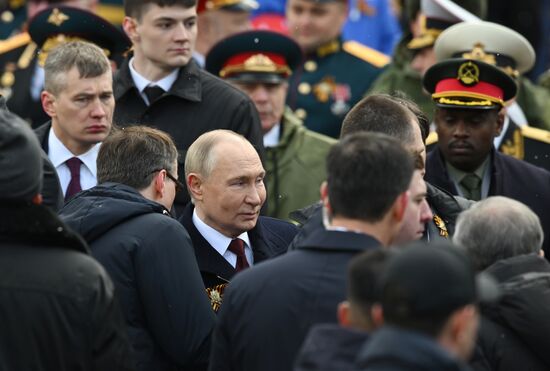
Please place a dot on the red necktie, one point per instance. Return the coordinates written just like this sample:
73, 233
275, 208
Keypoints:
74, 185
237, 247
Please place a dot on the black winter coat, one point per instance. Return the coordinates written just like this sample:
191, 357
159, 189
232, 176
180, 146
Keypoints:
150, 259
58, 310
514, 332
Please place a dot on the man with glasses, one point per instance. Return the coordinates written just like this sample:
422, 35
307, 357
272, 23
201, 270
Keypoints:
148, 254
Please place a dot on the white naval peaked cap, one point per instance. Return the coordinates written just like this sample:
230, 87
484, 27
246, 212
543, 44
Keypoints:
446, 10
506, 48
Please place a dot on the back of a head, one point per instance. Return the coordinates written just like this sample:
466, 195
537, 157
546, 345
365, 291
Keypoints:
424, 284
380, 113
89, 60
498, 228
132, 155
20, 160
366, 172
136, 8
364, 273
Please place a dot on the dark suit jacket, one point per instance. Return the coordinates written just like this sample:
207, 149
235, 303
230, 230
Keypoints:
509, 177
269, 238
268, 309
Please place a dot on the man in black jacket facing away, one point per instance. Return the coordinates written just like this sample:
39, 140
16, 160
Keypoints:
504, 238
58, 307
148, 254
268, 309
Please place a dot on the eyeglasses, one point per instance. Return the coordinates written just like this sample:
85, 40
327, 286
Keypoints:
179, 185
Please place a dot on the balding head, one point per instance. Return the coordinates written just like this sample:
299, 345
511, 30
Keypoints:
498, 228
224, 176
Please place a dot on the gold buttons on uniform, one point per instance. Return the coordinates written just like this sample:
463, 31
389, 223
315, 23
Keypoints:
304, 88
310, 66
301, 113
7, 16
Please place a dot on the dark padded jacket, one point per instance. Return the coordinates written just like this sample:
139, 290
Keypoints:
150, 259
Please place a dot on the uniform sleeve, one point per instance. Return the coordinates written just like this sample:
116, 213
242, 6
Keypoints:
110, 345
175, 303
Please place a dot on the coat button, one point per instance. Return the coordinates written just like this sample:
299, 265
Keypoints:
310, 66
304, 88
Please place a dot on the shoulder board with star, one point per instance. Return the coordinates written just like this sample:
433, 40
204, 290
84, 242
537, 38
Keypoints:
14, 42
367, 54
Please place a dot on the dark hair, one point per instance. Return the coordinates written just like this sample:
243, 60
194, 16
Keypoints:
136, 8
366, 172
131, 156
380, 113
363, 273
423, 120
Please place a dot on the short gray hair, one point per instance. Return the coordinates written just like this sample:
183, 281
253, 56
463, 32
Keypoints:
498, 228
199, 158
88, 58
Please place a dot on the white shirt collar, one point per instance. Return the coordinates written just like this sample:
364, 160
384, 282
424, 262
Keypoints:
217, 240
58, 153
199, 58
141, 82
271, 138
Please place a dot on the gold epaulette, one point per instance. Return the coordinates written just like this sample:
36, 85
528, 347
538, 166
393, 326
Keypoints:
365, 53
112, 13
14, 42
432, 138
536, 134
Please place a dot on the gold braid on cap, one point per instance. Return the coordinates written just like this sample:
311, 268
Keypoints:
478, 53
256, 63
54, 41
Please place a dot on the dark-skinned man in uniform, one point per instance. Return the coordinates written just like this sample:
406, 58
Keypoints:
470, 96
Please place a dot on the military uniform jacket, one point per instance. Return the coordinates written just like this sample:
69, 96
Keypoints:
196, 103
17, 68
295, 167
511, 178
269, 309
269, 238
330, 82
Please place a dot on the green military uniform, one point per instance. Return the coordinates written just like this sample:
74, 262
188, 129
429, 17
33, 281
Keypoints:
295, 167
331, 81
534, 100
399, 76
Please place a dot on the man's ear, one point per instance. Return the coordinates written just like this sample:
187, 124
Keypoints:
377, 316
343, 314
160, 183
324, 196
129, 24
194, 185
501, 116
400, 205
48, 103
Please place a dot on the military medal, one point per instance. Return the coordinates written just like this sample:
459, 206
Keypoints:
324, 89
215, 294
341, 95
440, 224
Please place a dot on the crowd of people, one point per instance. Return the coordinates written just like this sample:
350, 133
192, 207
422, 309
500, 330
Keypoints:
187, 193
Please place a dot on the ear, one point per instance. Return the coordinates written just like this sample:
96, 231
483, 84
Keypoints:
129, 25
377, 315
194, 185
323, 190
159, 182
343, 314
48, 103
501, 116
37, 199
400, 205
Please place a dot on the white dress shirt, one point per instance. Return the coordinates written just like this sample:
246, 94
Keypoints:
141, 82
271, 138
220, 243
58, 154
